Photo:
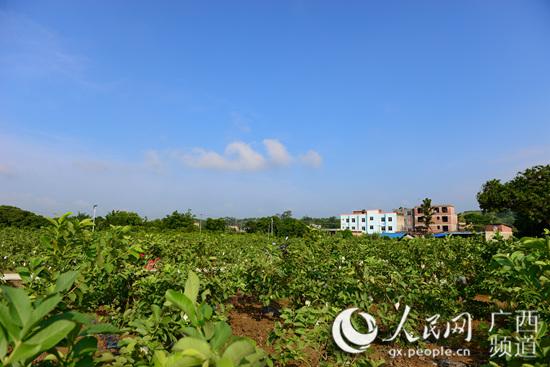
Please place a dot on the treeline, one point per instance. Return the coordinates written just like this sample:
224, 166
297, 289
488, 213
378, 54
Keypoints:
278, 225
11, 216
477, 219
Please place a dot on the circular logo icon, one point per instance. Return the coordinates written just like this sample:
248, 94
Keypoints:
349, 339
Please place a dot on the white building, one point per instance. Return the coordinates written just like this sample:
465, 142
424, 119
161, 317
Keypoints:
370, 221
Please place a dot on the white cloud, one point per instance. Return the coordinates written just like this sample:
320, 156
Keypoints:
240, 156
311, 159
277, 152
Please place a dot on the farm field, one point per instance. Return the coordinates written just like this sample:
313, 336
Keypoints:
125, 297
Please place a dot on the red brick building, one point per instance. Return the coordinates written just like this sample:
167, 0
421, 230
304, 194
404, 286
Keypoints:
444, 218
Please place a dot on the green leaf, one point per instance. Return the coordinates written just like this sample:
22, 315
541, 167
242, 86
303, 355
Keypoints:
159, 358
238, 350
65, 281
19, 304
3, 343
192, 285
191, 331
181, 301
24, 352
156, 312
100, 329
206, 311
85, 345
222, 332
46, 306
52, 334
7, 322
198, 345
225, 362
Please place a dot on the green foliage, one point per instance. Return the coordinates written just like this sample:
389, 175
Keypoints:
283, 225
122, 218
11, 216
427, 213
215, 225
29, 328
181, 221
208, 342
328, 223
527, 195
478, 219
523, 273
522, 277
125, 276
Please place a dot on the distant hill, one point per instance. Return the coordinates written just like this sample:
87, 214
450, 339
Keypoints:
11, 216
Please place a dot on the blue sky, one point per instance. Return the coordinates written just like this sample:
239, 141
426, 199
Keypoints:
248, 108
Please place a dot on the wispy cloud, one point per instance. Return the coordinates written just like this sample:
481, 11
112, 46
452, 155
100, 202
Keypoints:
311, 159
31, 50
240, 156
152, 160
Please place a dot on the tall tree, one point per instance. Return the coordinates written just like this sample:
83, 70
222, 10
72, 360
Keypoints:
427, 213
182, 221
215, 225
527, 195
123, 218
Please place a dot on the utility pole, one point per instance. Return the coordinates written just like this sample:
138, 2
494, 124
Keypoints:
93, 216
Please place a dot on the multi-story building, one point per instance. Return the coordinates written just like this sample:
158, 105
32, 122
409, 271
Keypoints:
371, 221
444, 218
408, 218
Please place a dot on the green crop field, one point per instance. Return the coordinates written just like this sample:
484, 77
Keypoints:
130, 297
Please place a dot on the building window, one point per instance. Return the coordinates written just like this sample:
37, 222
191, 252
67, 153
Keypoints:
420, 219
445, 228
363, 220
353, 220
438, 227
436, 210
438, 218
444, 209
371, 227
383, 219
363, 228
371, 218
347, 220
390, 228
445, 218
383, 228
352, 227
390, 219
419, 210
